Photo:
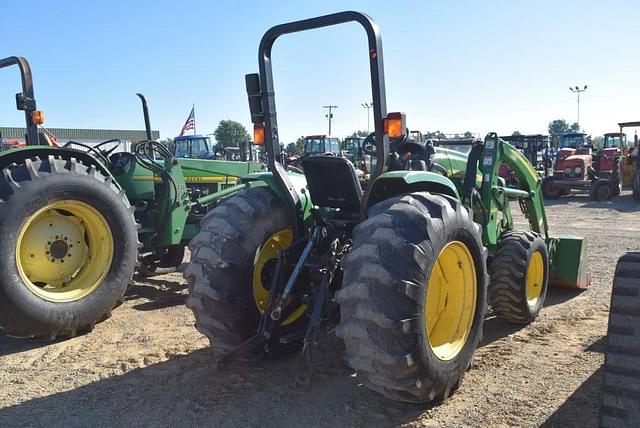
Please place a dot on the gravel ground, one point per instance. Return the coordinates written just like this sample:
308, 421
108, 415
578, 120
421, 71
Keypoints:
148, 366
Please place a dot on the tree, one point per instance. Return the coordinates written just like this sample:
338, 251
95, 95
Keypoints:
296, 148
575, 126
558, 126
468, 134
516, 133
230, 133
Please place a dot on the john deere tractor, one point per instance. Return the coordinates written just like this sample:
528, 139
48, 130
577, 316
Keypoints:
77, 220
405, 269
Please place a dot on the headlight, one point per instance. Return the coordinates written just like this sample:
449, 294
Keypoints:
567, 170
577, 170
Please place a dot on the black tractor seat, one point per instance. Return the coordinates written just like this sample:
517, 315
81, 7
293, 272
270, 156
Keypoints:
333, 183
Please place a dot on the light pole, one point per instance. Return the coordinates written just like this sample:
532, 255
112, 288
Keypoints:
577, 90
367, 106
329, 115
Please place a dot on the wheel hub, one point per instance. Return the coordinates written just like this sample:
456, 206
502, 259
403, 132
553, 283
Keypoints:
64, 250
59, 249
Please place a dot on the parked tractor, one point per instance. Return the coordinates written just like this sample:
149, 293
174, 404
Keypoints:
631, 160
405, 268
578, 167
77, 221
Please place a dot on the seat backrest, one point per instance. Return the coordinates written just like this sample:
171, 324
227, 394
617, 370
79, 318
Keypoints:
332, 182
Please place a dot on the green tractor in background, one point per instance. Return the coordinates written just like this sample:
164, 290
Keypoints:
405, 268
78, 220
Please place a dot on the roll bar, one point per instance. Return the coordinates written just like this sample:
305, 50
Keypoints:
25, 100
262, 102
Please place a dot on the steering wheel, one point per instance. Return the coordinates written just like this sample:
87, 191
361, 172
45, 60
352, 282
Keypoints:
107, 153
369, 144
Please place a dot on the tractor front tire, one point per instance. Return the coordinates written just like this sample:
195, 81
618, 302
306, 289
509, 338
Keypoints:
416, 261
222, 276
519, 277
602, 190
550, 190
69, 247
620, 405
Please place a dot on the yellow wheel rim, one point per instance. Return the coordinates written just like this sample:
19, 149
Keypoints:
265, 262
64, 251
535, 278
450, 303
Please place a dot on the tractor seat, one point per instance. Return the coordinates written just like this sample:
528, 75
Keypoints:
333, 183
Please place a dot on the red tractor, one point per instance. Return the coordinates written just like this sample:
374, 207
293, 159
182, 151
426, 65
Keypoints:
579, 166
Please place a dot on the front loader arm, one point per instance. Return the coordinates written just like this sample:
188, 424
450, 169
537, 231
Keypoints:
495, 196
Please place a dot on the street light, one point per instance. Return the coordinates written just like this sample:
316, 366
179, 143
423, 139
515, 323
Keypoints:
577, 90
367, 106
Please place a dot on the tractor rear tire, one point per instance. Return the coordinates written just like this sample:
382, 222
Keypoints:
221, 271
549, 188
519, 277
388, 320
602, 190
55, 210
620, 405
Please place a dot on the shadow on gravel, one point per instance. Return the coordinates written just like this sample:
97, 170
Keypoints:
582, 408
156, 294
187, 391
623, 203
558, 295
9, 345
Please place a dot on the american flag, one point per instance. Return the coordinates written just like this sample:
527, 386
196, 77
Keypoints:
190, 123
52, 138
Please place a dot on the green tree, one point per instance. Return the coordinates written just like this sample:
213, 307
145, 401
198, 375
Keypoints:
296, 148
468, 134
230, 133
575, 126
169, 144
516, 133
558, 126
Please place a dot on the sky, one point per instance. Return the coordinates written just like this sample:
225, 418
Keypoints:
451, 66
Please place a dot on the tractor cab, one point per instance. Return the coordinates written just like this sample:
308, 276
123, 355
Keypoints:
194, 147
321, 145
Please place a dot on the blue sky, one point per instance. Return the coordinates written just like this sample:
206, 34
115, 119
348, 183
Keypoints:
451, 66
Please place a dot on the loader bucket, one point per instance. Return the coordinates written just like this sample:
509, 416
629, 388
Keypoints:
568, 262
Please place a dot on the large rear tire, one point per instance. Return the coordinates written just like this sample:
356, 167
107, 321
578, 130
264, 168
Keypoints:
519, 277
417, 260
231, 258
621, 391
69, 247
602, 190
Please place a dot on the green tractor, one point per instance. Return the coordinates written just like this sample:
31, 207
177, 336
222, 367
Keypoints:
78, 220
405, 268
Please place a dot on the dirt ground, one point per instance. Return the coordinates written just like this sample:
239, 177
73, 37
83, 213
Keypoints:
148, 366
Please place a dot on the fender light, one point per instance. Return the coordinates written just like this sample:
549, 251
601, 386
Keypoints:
37, 117
258, 134
395, 125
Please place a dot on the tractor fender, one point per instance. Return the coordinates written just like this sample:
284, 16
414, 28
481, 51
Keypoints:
18, 155
396, 183
298, 180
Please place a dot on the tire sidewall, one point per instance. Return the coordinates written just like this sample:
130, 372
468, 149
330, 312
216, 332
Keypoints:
538, 245
460, 362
